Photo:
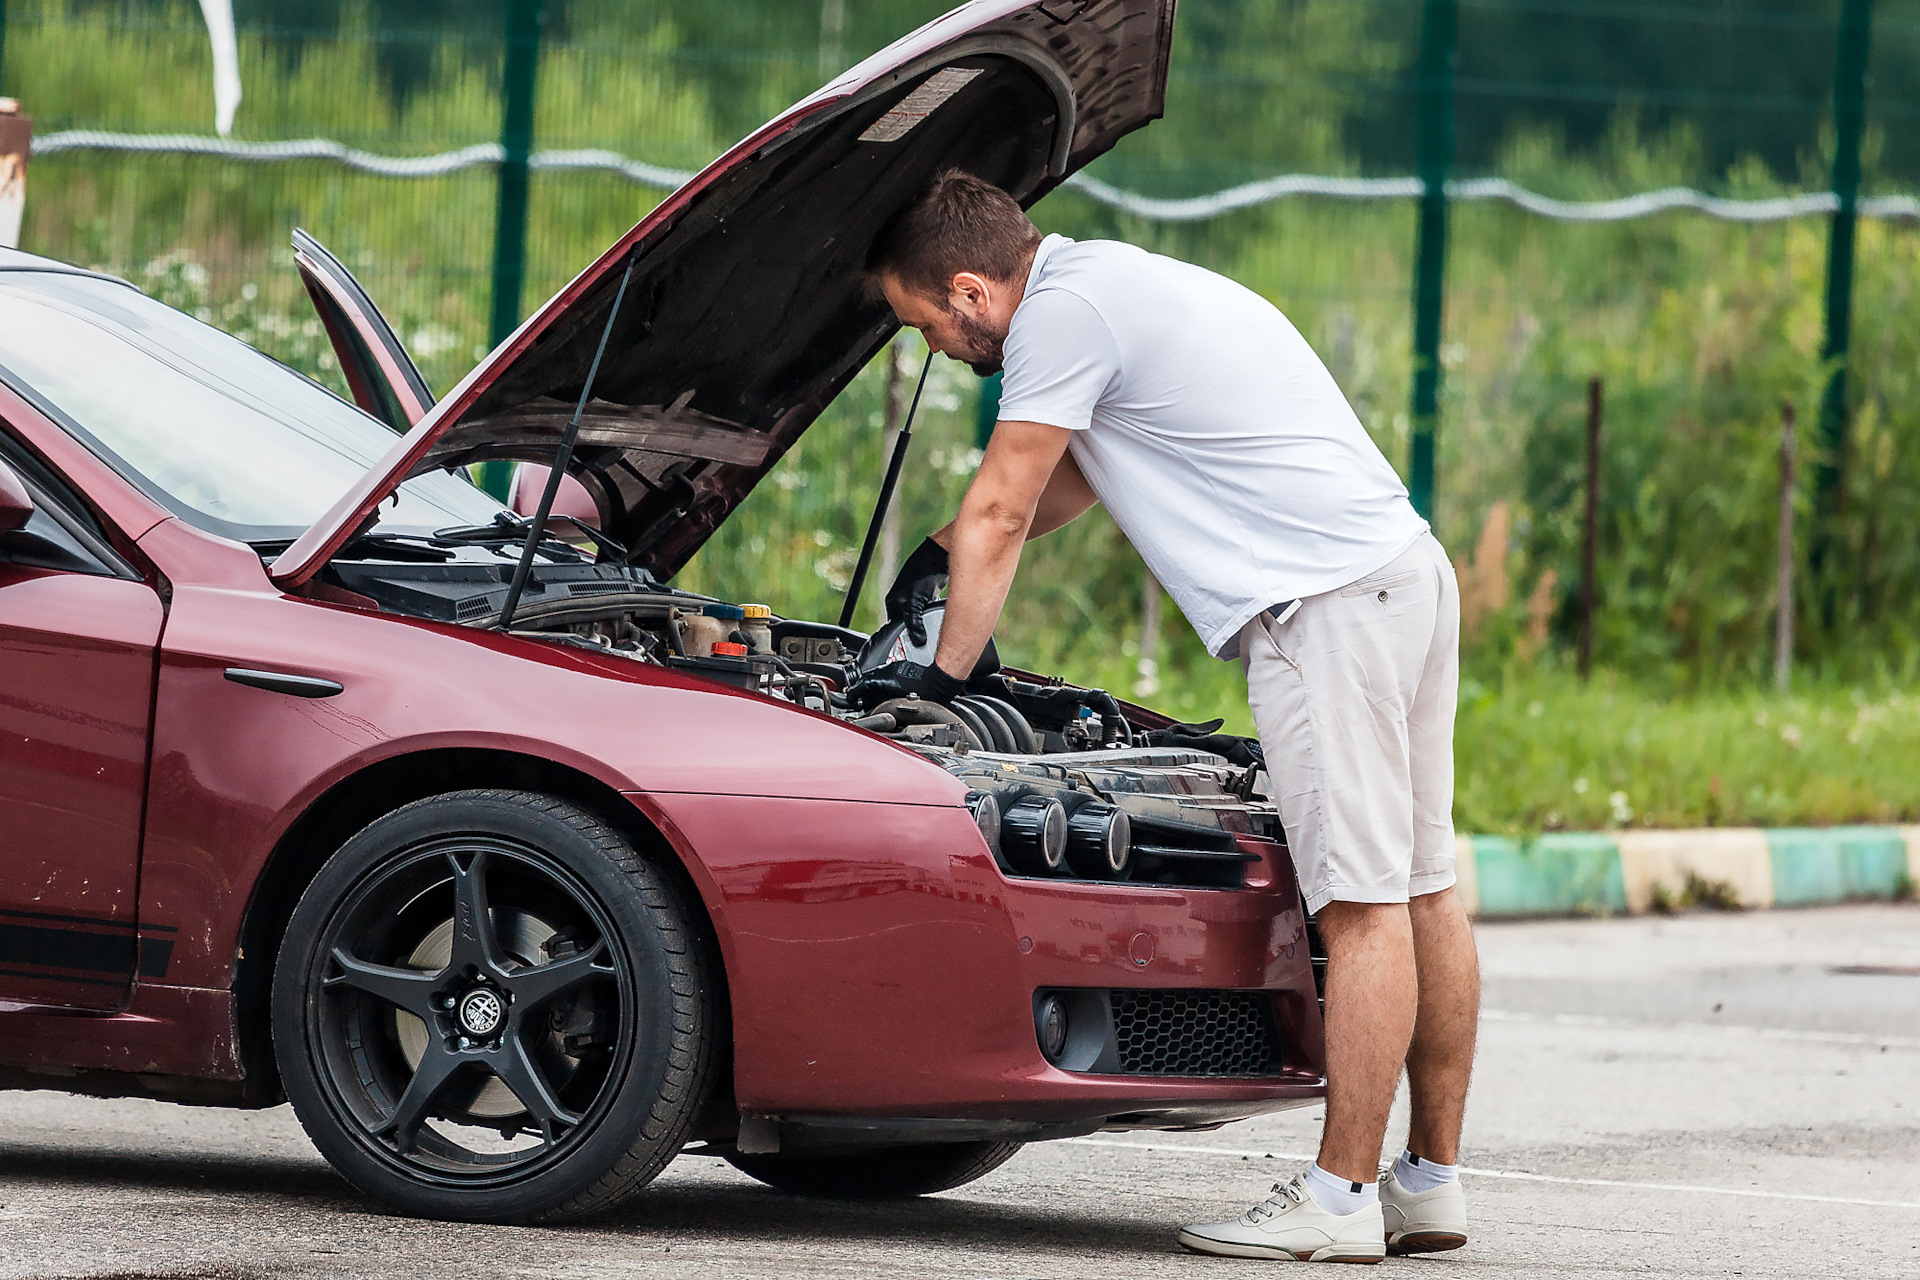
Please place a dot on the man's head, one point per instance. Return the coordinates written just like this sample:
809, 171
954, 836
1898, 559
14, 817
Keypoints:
953, 265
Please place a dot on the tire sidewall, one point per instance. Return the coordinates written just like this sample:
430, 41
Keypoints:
616, 1120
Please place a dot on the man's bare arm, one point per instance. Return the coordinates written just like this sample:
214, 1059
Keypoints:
1066, 498
996, 517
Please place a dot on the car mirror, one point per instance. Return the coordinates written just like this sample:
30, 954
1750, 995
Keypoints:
16, 507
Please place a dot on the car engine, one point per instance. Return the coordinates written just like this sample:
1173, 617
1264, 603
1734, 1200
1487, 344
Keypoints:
1066, 781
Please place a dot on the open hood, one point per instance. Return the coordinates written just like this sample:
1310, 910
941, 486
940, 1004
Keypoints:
745, 313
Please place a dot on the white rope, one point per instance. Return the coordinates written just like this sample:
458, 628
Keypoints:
1192, 209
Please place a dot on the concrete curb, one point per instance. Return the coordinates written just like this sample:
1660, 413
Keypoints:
1604, 873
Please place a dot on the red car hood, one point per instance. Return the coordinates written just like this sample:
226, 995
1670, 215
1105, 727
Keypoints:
745, 314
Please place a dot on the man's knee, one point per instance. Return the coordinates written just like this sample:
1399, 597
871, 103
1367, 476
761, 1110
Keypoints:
1343, 922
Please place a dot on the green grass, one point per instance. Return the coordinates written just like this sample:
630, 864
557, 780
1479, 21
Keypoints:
1541, 752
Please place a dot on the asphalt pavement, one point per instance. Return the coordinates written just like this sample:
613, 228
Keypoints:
1700, 1095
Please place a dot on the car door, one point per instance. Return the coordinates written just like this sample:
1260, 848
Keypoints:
79, 632
384, 380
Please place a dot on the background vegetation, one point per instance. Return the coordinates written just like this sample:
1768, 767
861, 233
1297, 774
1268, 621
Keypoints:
1701, 329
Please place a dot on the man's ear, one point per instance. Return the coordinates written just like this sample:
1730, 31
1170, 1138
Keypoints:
970, 288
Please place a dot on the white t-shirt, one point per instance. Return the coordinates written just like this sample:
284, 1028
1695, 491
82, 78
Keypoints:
1207, 426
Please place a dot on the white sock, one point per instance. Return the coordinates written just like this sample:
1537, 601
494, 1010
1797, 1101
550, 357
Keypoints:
1417, 1175
1338, 1195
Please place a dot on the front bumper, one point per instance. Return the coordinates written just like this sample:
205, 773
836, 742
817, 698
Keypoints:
882, 971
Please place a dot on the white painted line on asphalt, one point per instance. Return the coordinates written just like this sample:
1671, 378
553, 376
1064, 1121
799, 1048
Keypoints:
1240, 1153
1717, 1028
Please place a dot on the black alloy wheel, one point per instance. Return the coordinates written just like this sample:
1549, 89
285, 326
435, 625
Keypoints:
489, 1007
882, 1173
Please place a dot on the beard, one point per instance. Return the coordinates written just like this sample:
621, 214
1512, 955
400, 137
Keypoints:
986, 349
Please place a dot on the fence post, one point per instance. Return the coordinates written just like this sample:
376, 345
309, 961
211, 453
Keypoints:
1590, 532
516, 140
986, 411
1439, 39
518, 69
1849, 123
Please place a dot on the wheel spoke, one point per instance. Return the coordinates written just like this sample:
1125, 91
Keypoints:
475, 944
533, 986
402, 1124
409, 989
517, 1069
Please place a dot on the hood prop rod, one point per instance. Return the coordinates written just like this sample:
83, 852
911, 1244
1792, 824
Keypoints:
894, 464
561, 457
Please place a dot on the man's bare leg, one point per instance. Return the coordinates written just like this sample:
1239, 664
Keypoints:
1371, 998
1440, 1059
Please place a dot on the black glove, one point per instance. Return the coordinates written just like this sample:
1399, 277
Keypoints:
918, 586
904, 679
1244, 752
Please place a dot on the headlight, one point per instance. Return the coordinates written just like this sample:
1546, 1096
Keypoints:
1033, 835
986, 814
1100, 842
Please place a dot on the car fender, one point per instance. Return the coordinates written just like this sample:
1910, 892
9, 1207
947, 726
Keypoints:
235, 765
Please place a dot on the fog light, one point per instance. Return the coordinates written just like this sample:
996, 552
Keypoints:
1050, 1024
1100, 842
1033, 835
986, 815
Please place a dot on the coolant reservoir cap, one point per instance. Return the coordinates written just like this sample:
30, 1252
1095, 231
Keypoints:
732, 612
729, 649
755, 611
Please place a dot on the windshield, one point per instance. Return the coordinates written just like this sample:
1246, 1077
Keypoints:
226, 438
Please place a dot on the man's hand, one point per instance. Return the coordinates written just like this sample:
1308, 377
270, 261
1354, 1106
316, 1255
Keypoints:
918, 585
903, 680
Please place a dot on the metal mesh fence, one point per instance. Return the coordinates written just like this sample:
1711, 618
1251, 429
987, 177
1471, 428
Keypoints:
1701, 327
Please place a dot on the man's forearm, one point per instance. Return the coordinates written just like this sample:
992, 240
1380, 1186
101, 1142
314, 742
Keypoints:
984, 553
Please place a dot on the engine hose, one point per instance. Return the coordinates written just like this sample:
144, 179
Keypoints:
1025, 741
999, 736
906, 711
975, 725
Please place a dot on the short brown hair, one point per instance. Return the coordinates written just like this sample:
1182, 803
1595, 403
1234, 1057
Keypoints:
959, 223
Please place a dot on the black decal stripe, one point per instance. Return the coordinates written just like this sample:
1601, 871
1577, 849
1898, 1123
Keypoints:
5, 972
97, 922
154, 955
68, 949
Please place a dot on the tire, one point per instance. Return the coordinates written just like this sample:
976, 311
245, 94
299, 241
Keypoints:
886, 1173
539, 1068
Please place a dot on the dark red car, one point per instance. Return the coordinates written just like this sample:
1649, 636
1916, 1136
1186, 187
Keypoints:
518, 882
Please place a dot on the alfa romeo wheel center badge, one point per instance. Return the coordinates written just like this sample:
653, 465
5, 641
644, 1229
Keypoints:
481, 1012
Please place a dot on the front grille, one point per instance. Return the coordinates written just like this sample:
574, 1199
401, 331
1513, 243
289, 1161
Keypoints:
1195, 1033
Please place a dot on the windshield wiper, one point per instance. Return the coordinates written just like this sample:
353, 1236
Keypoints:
507, 527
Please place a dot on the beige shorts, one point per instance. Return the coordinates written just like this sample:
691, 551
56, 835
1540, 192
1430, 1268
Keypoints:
1354, 699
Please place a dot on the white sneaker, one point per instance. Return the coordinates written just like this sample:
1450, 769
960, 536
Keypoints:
1429, 1221
1291, 1224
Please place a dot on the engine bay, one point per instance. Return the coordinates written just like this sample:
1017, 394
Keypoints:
1067, 781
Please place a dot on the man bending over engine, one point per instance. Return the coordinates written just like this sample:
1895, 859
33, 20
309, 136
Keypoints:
1219, 443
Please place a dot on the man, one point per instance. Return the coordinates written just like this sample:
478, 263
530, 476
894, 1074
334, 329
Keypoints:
1194, 412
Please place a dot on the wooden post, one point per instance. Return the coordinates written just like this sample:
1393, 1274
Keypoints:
1783, 578
894, 409
1590, 532
1147, 675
